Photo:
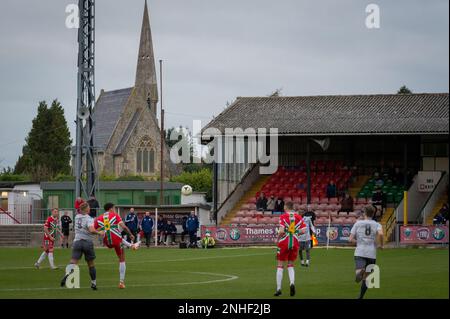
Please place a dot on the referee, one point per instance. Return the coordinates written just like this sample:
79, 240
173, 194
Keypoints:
65, 229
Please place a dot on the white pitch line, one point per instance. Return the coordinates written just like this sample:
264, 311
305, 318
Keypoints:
150, 261
228, 278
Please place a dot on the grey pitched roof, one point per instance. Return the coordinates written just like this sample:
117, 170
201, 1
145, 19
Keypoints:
116, 185
340, 115
107, 111
127, 134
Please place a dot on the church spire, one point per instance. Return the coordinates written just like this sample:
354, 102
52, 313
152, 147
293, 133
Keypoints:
146, 71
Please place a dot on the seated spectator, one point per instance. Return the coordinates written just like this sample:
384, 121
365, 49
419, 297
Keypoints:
261, 203
162, 225
271, 203
301, 186
279, 206
441, 217
331, 190
346, 203
171, 231
379, 182
444, 211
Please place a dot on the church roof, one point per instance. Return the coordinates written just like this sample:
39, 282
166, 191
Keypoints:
398, 114
107, 111
128, 132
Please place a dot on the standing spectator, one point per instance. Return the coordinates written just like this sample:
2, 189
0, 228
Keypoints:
78, 203
261, 203
162, 225
131, 221
346, 204
279, 205
185, 231
65, 229
147, 228
331, 190
94, 206
171, 231
192, 227
271, 204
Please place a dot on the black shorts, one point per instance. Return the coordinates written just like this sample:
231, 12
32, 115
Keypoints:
65, 231
363, 262
305, 245
81, 247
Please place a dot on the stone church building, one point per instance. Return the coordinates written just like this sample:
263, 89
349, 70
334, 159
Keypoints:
126, 133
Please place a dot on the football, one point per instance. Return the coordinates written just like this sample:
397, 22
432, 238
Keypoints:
186, 190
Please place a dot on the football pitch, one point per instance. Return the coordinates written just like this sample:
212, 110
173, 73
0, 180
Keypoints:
225, 273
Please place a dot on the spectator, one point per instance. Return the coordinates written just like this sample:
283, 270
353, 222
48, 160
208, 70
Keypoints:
171, 231
261, 203
331, 190
131, 221
439, 219
346, 203
192, 225
279, 205
271, 203
147, 228
162, 225
78, 203
94, 205
65, 229
185, 231
444, 211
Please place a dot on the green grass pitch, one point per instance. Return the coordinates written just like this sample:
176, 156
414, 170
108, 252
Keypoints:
225, 273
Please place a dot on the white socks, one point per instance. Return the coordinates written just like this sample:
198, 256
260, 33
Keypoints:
41, 258
50, 260
122, 269
291, 273
125, 243
279, 277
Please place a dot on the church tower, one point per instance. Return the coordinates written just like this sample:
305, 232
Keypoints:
146, 81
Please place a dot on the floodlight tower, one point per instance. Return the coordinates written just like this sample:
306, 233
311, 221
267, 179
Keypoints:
86, 184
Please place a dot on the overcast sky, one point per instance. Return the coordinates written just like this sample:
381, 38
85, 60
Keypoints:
216, 50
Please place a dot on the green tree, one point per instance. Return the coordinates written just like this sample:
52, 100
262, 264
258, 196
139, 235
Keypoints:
404, 90
47, 150
200, 181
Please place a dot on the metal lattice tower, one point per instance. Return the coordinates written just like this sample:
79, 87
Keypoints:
85, 166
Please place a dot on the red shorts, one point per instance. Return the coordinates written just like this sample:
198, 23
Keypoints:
119, 251
284, 254
48, 245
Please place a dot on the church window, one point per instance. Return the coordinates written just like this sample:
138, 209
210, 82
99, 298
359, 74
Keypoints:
145, 157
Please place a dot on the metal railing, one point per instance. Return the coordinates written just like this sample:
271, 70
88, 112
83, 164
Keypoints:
7, 218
